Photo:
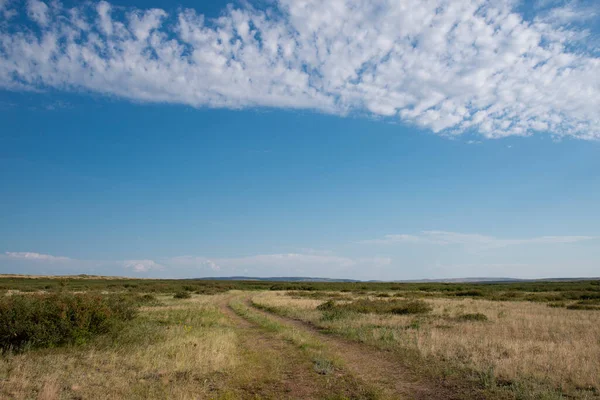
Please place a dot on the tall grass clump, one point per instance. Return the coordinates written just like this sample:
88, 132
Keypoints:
50, 320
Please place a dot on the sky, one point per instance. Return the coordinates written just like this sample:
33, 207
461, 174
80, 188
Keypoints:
374, 140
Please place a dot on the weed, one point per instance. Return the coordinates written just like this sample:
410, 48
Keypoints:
487, 377
415, 324
335, 314
327, 306
323, 366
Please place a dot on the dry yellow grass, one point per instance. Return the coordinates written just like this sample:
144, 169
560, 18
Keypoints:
192, 348
182, 347
520, 341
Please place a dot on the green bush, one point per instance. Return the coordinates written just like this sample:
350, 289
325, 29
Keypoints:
367, 306
473, 317
412, 307
327, 306
469, 293
50, 320
182, 295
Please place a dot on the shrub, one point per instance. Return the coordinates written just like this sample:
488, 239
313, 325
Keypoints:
367, 306
473, 317
412, 307
327, 306
147, 300
469, 293
182, 295
50, 320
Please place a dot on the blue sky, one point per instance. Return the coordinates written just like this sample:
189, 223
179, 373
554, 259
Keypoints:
360, 139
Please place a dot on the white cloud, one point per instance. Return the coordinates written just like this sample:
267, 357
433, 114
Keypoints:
193, 261
563, 13
142, 265
288, 260
317, 263
30, 256
448, 66
37, 11
569, 13
429, 254
472, 240
4, 10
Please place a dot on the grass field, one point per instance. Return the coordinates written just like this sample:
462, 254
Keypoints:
272, 340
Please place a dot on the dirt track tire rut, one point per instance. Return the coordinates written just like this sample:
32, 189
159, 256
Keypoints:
377, 367
296, 378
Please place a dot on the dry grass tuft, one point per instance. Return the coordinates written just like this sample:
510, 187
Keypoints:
50, 390
166, 352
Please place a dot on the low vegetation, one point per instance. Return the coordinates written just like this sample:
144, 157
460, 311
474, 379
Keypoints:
513, 349
534, 291
77, 337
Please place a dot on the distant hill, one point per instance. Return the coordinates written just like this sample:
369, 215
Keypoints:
448, 280
308, 279
278, 279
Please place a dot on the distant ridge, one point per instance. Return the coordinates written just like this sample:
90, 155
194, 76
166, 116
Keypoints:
307, 279
278, 279
448, 280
